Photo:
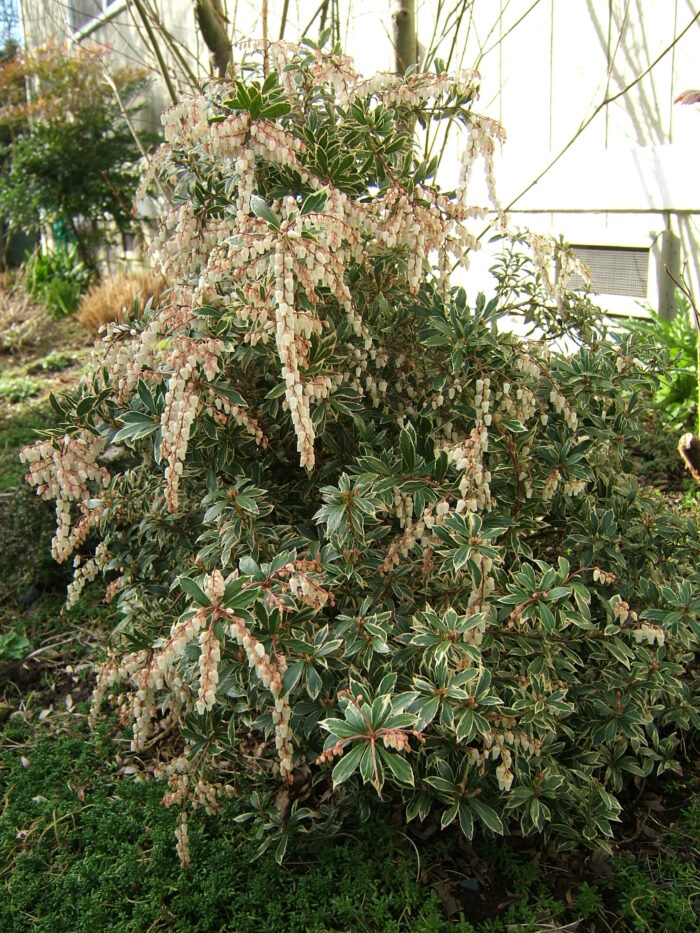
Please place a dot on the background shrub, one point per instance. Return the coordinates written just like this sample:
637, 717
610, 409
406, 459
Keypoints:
57, 278
67, 154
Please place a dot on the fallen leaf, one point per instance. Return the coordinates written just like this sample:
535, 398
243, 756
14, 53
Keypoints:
449, 904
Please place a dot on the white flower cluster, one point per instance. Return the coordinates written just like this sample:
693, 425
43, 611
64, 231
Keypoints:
621, 610
603, 576
467, 457
556, 264
569, 487
562, 407
240, 416
186, 122
336, 70
61, 470
263, 273
484, 134
503, 745
520, 405
419, 532
85, 572
182, 846
308, 590
650, 634
479, 599
270, 675
126, 358
288, 323
227, 137
111, 672
182, 401
210, 655
180, 410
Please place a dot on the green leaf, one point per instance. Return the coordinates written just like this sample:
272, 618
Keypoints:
348, 764
137, 424
449, 815
291, 676
466, 728
461, 556
262, 210
367, 761
487, 815
313, 682
399, 767
248, 566
466, 820
408, 451
314, 203
281, 849
425, 710
442, 785
195, 591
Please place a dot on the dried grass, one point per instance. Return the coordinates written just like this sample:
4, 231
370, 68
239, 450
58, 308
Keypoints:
111, 299
21, 318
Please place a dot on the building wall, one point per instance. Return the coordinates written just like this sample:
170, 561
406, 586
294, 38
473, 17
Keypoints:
625, 178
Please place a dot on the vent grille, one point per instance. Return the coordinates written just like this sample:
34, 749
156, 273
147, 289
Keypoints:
615, 270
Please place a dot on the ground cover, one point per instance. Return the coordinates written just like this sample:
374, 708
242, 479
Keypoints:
85, 843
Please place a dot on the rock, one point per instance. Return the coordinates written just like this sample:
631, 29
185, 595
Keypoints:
29, 597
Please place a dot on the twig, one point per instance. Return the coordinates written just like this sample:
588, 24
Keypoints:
156, 50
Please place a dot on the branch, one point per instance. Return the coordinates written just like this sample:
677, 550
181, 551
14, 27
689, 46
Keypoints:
156, 50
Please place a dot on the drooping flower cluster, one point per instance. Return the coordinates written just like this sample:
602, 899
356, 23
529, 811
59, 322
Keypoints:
277, 270
67, 470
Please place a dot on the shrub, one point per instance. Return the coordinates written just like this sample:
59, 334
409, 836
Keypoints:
367, 545
18, 388
70, 155
57, 278
114, 298
676, 398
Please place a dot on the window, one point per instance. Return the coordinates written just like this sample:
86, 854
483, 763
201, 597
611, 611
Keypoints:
83, 12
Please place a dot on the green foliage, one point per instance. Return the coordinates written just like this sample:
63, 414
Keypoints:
676, 398
57, 278
72, 864
81, 845
18, 388
13, 646
658, 893
363, 539
68, 154
55, 361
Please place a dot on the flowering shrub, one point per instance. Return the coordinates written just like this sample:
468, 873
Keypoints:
363, 544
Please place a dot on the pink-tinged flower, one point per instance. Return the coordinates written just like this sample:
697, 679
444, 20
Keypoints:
688, 97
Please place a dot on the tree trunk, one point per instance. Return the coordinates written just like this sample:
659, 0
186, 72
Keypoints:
403, 19
212, 25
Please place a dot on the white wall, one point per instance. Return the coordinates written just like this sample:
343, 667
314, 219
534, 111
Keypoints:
546, 68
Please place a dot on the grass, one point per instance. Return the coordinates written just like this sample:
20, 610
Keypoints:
14, 434
84, 849
85, 845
